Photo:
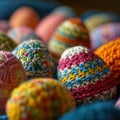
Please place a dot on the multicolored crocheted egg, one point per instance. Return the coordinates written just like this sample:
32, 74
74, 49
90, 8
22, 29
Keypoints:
48, 25
24, 16
39, 99
6, 43
104, 34
4, 26
22, 34
86, 75
110, 53
95, 111
66, 10
35, 59
12, 74
70, 33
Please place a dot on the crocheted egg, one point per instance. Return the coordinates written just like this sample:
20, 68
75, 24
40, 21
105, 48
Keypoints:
95, 111
70, 33
48, 25
110, 53
24, 16
39, 99
104, 33
21, 34
35, 59
100, 19
6, 43
12, 74
66, 10
4, 26
86, 75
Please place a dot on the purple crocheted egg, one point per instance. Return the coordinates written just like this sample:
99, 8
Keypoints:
104, 34
86, 75
12, 74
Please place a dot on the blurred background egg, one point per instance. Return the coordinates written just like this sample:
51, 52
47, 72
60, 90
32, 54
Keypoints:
99, 19
48, 25
95, 111
39, 99
24, 16
66, 10
35, 59
4, 26
12, 74
6, 43
104, 34
86, 75
110, 53
71, 32
22, 34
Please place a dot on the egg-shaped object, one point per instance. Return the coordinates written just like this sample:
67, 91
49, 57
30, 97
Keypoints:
48, 25
71, 32
86, 75
6, 43
117, 105
35, 59
12, 74
39, 99
66, 10
24, 16
110, 53
95, 111
22, 34
4, 26
99, 19
104, 34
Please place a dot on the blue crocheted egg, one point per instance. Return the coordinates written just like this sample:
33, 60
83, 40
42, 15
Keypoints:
95, 111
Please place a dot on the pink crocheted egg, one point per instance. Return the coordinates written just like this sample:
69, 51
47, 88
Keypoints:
11, 75
86, 75
48, 25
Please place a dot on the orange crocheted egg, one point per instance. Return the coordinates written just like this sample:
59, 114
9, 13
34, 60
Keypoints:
110, 53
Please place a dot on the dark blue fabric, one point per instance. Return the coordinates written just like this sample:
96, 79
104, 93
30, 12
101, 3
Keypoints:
3, 117
7, 7
95, 111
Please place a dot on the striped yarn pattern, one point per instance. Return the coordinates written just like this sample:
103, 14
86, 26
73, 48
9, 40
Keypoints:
70, 33
86, 75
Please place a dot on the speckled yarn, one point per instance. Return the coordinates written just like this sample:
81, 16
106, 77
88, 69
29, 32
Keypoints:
95, 111
104, 34
35, 59
39, 99
22, 34
70, 33
12, 74
6, 43
86, 75
4, 26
